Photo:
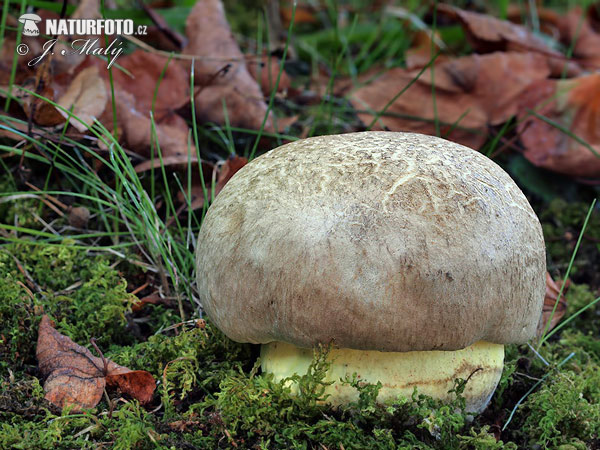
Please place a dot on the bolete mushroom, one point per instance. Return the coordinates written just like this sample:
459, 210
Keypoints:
417, 257
29, 22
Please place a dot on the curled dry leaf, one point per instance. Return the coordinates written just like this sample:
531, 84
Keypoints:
87, 97
552, 291
470, 93
572, 104
180, 161
211, 41
136, 94
487, 34
76, 378
548, 18
137, 131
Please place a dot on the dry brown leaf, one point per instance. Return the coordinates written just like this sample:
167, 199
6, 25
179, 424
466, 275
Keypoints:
174, 160
74, 377
303, 14
87, 96
548, 18
482, 89
211, 40
40, 110
552, 291
228, 169
487, 34
420, 52
86, 9
578, 34
136, 126
265, 71
573, 104
145, 69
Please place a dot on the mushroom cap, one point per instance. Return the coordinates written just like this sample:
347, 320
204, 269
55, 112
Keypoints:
375, 240
25, 17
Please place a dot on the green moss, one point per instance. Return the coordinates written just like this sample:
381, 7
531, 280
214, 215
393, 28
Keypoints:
565, 410
81, 291
210, 394
19, 212
197, 360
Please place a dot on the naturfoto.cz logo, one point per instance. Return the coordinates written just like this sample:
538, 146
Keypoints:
79, 27
67, 27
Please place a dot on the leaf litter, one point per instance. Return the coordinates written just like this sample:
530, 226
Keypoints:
77, 379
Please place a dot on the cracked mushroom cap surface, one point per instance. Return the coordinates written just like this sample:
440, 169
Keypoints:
376, 240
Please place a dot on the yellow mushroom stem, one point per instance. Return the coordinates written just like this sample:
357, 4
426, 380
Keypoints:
431, 372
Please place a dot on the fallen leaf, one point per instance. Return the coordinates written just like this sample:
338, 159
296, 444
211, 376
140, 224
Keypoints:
578, 34
221, 70
144, 72
76, 378
174, 160
39, 109
137, 131
228, 169
167, 35
86, 9
572, 104
552, 291
87, 97
487, 34
471, 93
303, 14
265, 71
421, 50
548, 19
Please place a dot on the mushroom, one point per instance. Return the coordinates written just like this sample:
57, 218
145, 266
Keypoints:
418, 258
29, 24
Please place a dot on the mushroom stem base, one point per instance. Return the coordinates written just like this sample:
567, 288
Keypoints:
431, 372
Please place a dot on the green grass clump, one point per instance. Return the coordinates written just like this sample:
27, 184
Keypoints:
81, 292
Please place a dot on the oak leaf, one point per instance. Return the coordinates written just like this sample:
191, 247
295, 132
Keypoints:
471, 93
578, 34
220, 69
574, 106
76, 378
85, 97
488, 34
228, 170
552, 291
144, 72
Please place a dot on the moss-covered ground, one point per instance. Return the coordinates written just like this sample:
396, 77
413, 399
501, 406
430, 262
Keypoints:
211, 394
